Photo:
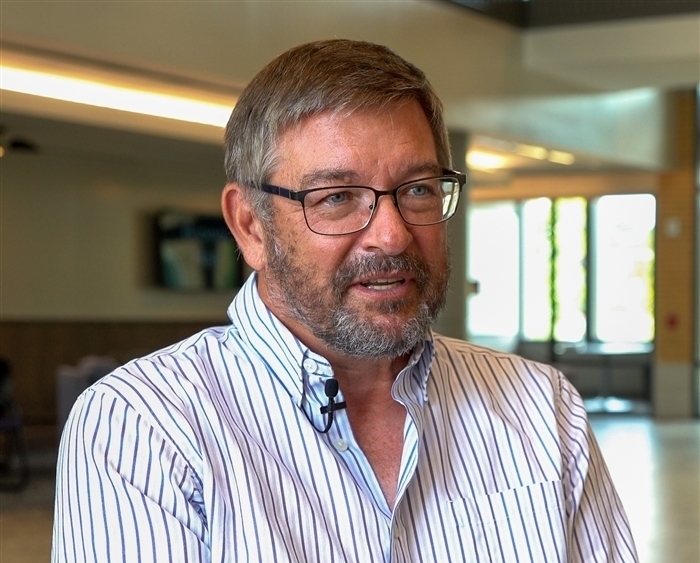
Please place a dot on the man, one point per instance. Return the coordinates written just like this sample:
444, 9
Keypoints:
327, 423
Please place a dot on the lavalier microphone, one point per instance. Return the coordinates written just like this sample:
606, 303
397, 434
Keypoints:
330, 388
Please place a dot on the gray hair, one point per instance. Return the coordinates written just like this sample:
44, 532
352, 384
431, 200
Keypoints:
338, 75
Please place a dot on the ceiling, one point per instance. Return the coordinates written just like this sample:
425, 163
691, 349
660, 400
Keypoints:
214, 48
546, 13
65, 139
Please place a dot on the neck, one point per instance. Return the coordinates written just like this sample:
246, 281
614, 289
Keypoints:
365, 376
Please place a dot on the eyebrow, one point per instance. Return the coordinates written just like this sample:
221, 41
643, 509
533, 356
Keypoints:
320, 178
317, 178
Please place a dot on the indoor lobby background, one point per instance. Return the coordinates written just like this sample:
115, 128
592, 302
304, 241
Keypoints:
577, 242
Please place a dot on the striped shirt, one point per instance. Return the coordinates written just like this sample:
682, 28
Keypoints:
210, 450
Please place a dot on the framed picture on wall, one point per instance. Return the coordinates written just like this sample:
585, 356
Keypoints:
196, 252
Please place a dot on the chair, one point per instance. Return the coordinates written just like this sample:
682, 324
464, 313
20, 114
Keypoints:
71, 381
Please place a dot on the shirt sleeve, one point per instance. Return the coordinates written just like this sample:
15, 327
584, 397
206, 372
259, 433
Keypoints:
597, 526
123, 492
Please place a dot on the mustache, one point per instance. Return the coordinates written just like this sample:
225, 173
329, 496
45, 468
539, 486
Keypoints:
376, 264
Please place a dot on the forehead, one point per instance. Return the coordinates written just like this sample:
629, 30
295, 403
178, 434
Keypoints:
360, 145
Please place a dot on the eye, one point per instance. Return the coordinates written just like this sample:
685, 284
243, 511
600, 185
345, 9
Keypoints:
336, 198
329, 197
420, 190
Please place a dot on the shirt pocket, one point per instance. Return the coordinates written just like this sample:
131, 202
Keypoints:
525, 524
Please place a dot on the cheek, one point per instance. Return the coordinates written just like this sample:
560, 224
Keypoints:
316, 254
432, 244
330, 252
290, 221
290, 230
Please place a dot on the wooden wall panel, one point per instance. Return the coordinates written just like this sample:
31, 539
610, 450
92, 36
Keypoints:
675, 239
675, 268
36, 349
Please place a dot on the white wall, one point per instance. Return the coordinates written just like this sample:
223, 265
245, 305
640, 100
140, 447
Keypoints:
74, 237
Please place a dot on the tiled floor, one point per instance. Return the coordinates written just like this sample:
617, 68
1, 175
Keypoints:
26, 518
655, 465
656, 469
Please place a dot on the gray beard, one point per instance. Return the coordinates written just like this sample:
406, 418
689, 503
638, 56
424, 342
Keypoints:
337, 325
348, 334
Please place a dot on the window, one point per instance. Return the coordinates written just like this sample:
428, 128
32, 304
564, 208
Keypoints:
569, 263
568, 269
623, 271
494, 262
536, 301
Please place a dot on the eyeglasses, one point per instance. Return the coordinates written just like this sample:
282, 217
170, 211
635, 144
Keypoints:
341, 210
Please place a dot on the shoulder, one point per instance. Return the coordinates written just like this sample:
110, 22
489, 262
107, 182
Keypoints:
168, 391
504, 377
465, 357
177, 370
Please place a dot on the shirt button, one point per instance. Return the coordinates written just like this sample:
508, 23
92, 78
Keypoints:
309, 365
341, 445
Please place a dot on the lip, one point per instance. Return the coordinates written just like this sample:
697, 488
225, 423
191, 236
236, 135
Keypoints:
383, 278
385, 291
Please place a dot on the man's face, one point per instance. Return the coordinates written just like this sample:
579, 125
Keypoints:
370, 294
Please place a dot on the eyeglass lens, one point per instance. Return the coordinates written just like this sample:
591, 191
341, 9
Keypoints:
342, 210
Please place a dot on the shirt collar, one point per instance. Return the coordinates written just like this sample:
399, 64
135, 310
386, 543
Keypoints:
269, 339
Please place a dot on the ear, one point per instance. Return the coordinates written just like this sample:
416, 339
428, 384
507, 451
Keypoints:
244, 226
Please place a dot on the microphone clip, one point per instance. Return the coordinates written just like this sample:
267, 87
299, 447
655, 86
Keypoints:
331, 390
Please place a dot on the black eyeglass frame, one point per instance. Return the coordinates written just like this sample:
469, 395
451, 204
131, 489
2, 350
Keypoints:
301, 195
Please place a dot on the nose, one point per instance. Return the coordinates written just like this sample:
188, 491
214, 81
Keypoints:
387, 230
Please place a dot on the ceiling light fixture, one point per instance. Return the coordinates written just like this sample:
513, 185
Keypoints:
561, 157
98, 94
532, 151
486, 161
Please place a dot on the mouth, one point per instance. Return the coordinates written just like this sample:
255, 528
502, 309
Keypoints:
376, 276
383, 284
